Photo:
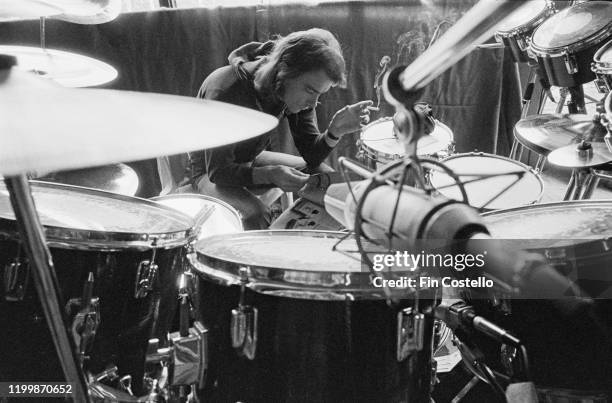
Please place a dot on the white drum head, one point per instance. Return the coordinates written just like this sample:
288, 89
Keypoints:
515, 192
523, 16
212, 216
379, 139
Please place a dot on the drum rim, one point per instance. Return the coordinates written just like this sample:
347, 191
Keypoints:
602, 67
377, 155
514, 162
603, 243
556, 51
558, 204
85, 239
323, 285
199, 196
547, 11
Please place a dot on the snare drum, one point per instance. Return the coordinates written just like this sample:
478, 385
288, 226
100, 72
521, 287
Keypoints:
515, 31
308, 326
135, 250
602, 67
517, 184
379, 144
567, 346
211, 216
565, 43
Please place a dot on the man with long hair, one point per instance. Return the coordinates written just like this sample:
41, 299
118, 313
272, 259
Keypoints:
284, 78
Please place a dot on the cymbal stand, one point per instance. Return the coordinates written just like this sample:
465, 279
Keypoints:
583, 182
33, 239
516, 152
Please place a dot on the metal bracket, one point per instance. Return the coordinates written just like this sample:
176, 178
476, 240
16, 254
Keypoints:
16, 276
410, 333
85, 323
243, 326
570, 62
145, 277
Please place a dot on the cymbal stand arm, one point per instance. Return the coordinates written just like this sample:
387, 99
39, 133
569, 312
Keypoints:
33, 239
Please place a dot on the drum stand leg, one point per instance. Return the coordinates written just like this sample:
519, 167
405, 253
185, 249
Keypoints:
582, 184
33, 239
516, 152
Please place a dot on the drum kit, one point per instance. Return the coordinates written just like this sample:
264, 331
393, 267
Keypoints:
169, 299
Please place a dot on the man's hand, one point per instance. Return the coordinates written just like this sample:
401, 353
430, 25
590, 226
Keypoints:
287, 178
350, 118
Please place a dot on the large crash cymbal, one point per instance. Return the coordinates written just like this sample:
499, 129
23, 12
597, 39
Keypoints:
583, 155
548, 132
116, 178
77, 11
46, 127
65, 68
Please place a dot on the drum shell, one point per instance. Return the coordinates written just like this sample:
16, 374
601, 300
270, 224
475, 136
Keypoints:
312, 351
127, 323
517, 50
568, 340
557, 72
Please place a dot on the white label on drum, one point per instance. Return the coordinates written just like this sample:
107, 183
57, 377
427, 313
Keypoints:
574, 23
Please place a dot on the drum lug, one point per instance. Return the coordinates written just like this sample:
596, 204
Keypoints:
410, 333
570, 62
16, 275
243, 326
145, 277
556, 256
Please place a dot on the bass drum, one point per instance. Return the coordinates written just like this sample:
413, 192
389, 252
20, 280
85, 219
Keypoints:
568, 341
515, 31
379, 145
307, 325
565, 44
133, 248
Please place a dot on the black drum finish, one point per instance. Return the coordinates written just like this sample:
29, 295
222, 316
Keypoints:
127, 323
557, 73
312, 351
566, 43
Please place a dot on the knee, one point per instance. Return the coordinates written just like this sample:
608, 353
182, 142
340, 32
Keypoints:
256, 215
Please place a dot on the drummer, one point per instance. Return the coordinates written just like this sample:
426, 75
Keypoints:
284, 78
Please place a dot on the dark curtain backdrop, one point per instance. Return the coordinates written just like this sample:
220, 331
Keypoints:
172, 51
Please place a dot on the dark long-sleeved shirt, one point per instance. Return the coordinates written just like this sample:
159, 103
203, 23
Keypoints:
231, 165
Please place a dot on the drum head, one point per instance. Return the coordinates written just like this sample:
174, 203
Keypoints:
212, 216
524, 17
573, 26
98, 219
379, 139
519, 187
295, 263
571, 221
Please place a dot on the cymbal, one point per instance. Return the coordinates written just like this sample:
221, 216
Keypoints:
46, 127
65, 68
548, 132
91, 12
116, 178
573, 157
78, 11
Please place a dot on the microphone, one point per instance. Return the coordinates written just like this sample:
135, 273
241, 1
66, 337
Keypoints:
456, 313
401, 218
